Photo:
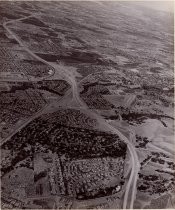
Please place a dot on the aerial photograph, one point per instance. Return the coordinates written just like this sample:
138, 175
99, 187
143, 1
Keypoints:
87, 105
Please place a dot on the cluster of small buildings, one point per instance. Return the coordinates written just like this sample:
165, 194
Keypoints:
89, 176
9, 202
18, 105
64, 177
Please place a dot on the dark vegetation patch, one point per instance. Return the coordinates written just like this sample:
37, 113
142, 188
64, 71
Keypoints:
34, 21
73, 24
153, 185
86, 69
59, 30
166, 172
32, 62
7, 15
97, 101
58, 87
84, 195
25, 5
42, 203
78, 39
156, 69
74, 57
75, 143
143, 35
140, 117
142, 141
22, 86
131, 65
49, 57
40, 175
102, 90
3, 36
13, 41
50, 32
149, 177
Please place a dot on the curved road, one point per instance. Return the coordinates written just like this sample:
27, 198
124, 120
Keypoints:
131, 185
25, 48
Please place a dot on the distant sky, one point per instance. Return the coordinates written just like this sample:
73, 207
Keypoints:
167, 6
161, 5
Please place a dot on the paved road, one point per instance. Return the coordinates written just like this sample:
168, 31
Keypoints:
55, 67
37, 114
134, 158
131, 185
134, 161
25, 48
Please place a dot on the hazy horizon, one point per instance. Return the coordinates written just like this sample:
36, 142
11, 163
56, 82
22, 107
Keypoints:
166, 6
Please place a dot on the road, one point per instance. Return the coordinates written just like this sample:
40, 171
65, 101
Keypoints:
30, 119
25, 48
68, 75
134, 161
131, 185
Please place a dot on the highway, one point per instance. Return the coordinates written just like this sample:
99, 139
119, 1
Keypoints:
131, 184
134, 161
25, 48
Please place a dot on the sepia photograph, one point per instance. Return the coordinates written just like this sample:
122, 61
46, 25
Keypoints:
87, 104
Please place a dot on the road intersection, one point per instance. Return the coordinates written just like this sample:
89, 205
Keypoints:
130, 191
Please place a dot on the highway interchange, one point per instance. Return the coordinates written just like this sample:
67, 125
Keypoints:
130, 192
